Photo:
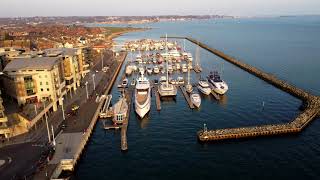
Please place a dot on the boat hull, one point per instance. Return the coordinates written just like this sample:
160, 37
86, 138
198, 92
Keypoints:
203, 90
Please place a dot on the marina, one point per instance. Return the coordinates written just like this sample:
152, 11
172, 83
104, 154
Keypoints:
249, 102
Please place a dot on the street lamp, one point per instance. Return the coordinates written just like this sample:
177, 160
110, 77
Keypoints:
94, 84
102, 57
53, 138
63, 115
87, 89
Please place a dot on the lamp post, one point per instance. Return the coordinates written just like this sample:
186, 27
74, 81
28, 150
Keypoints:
46, 117
63, 115
94, 84
102, 57
87, 89
53, 138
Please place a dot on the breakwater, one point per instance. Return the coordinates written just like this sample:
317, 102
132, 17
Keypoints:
311, 110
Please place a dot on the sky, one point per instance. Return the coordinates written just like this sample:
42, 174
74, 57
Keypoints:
27, 8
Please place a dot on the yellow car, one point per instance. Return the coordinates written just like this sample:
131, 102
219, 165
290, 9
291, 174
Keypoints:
75, 107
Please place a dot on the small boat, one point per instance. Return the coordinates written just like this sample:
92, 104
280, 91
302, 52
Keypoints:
124, 82
134, 68
156, 81
189, 88
149, 70
180, 80
195, 99
129, 70
173, 81
178, 67
120, 111
163, 79
204, 87
156, 69
174, 67
133, 82
184, 68
141, 70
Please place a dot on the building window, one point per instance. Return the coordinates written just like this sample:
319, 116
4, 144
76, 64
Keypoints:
47, 89
47, 83
45, 76
41, 89
39, 76
29, 86
40, 83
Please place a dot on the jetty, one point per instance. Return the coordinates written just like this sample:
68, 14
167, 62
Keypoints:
311, 102
186, 96
104, 112
158, 100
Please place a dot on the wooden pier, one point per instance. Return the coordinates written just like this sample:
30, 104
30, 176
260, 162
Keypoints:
158, 100
187, 97
311, 111
215, 95
124, 128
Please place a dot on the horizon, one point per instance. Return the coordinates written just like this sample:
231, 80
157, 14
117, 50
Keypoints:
243, 8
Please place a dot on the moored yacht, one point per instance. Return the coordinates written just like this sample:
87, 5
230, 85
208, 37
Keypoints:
195, 99
142, 96
204, 87
218, 85
156, 69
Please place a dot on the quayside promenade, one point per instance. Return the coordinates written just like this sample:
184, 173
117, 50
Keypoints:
311, 102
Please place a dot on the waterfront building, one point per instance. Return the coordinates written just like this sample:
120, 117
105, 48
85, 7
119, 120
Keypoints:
4, 130
30, 80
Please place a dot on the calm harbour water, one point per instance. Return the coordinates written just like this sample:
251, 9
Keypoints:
165, 146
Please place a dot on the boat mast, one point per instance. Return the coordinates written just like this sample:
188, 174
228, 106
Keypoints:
188, 74
167, 60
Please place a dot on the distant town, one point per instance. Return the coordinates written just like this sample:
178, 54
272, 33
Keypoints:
104, 19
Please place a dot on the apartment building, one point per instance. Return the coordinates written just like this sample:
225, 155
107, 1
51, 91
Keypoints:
4, 130
75, 66
30, 80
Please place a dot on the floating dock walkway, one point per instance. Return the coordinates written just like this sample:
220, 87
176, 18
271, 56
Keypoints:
311, 111
158, 100
187, 97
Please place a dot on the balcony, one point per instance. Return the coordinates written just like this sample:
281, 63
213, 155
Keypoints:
3, 119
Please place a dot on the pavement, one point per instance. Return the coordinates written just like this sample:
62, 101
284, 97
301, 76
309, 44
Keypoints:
34, 142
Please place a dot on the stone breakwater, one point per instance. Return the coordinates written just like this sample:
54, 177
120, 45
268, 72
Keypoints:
311, 110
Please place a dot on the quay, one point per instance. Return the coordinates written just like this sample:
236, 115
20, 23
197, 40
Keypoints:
69, 155
186, 96
311, 111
